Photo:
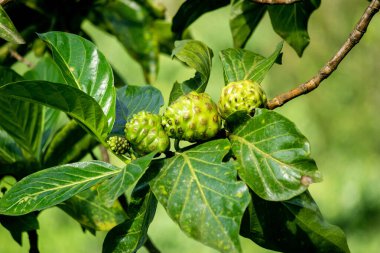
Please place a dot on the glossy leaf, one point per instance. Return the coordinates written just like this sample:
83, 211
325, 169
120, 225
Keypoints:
16, 225
131, 235
52, 186
89, 210
84, 67
240, 64
274, 156
111, 189
131, 23
294, 225
244, 18
7, 29
198, 56
47, 70
202, 195
290, 22
70, 144
191, 10
9, 151
20, 119
68, 99
131, 100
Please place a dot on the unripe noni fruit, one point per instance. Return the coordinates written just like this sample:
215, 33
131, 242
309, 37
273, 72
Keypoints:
192, 117
118, 144
146, 134
242, 95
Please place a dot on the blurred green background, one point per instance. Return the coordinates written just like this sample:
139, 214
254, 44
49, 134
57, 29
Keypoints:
340, 119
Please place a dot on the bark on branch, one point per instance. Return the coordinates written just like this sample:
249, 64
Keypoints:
275, 1
333, 63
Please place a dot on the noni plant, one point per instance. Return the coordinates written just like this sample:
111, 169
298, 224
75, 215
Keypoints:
75, 135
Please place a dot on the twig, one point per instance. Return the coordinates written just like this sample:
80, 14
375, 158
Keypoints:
331, 65
105, 155
20, 58
275, 1
150, 246
4, 2
33, 241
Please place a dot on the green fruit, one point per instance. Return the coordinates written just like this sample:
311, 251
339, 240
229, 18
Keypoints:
242, 95
145, 133
118, 144
192, 117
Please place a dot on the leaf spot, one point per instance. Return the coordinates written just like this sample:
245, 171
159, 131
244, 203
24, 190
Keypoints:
306, 180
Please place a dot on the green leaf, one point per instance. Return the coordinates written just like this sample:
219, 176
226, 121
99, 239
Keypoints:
89, 210
111, 189
51, 122
51, 186
20, 119
9, 151
294, 225
131, 100
198, 56
290, 22
7, 30
244, 18
131, 235
18, 224
71, 100
47, 70
274, 156
191, 10
202, 195
70, 144
131, 23
240, 64
84, 67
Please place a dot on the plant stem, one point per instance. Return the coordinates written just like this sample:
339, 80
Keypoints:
176, 145
20, 58
105, 156
150, 246
333, 63
4, 2
33, 241
275, 1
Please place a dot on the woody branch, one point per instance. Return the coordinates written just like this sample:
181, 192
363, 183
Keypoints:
275, 1
333, 63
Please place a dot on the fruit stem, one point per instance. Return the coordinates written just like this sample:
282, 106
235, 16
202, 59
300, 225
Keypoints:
176, 145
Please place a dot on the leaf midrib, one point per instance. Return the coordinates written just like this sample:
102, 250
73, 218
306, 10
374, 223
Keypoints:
29, 196
192, 171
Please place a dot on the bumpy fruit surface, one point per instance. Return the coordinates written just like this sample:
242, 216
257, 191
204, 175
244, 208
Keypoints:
242, 95
118, 144
146, 134
192, 117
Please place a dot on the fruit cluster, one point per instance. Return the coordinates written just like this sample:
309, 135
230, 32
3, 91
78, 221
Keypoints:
192, 117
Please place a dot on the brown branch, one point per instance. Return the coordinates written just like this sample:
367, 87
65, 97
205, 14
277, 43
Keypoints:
20, 58
4, 2
104, 153
331, 65
275, 1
